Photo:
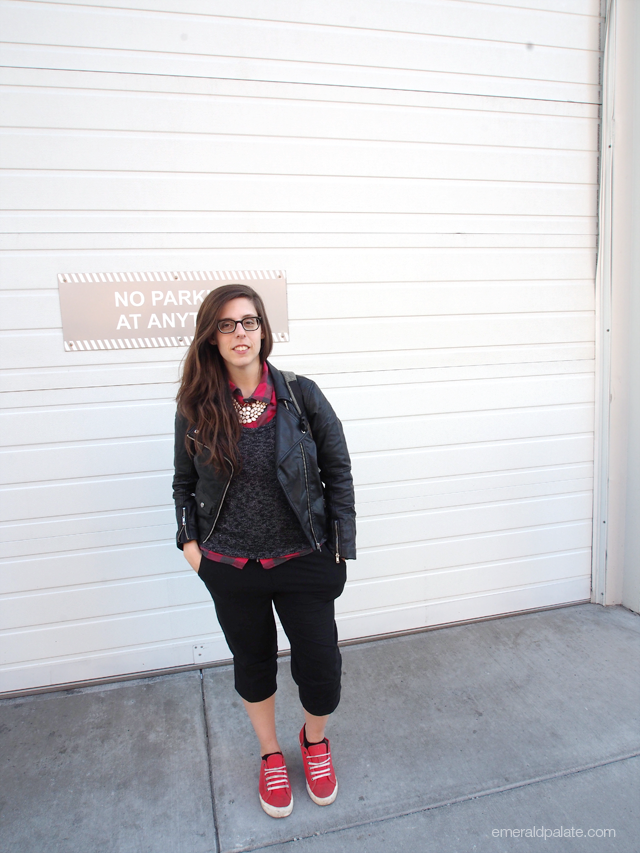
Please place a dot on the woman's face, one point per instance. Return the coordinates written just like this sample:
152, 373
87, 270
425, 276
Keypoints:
240, 349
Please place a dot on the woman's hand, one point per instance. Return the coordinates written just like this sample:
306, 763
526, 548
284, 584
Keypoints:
192, 553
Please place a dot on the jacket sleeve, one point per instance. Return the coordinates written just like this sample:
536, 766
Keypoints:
335, 468
184, 484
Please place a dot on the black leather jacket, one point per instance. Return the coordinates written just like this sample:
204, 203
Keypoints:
305, 461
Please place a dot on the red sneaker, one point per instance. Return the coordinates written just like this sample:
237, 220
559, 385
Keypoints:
274, 788
322, 784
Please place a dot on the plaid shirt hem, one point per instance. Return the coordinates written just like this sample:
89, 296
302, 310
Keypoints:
241, 562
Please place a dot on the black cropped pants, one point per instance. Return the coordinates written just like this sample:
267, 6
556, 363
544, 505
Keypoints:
303, 591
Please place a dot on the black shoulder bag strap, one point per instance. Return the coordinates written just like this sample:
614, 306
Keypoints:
296, 395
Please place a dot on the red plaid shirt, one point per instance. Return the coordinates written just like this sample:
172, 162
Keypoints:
266, 393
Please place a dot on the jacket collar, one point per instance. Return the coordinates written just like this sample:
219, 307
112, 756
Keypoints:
282, 391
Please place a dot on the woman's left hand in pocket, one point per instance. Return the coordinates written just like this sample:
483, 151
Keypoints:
192, 553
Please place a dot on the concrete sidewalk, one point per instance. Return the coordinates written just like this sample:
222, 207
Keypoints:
530, 722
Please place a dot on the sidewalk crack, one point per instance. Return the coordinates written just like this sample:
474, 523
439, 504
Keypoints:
524, 783
207, 744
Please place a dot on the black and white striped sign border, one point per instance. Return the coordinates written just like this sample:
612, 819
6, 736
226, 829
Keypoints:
126, 343
226, 276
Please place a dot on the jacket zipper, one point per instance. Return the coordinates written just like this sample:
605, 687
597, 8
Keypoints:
306, 482
337, 542
184, 522
224, 494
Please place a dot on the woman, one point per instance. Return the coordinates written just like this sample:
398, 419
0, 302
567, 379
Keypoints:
265, 509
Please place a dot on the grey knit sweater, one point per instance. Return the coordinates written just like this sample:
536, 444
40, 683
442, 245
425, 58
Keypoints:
256, 519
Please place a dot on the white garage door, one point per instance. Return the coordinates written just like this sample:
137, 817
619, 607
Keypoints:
426, 173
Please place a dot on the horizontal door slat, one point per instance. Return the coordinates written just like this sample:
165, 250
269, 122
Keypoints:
107, 29
178, 114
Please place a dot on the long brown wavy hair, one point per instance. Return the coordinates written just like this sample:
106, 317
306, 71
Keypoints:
204, 398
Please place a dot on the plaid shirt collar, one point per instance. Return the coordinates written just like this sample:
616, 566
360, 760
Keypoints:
262, 394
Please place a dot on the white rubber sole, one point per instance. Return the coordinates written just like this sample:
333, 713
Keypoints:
323, 801
274, 811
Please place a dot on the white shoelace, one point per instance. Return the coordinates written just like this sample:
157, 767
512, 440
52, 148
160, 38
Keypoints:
276, 777
319, 765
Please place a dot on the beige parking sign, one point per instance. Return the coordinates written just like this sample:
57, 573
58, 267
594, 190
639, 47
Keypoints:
137, 310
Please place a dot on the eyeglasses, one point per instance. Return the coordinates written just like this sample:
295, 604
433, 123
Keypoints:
249, 324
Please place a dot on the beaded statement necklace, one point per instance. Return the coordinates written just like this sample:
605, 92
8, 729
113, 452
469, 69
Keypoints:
250, 412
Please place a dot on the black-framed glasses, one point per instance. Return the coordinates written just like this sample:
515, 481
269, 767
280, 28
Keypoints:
249, 324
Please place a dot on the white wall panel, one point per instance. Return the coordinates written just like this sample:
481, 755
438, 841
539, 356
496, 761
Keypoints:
334, 74
69, 424
77, 533
88, 459
243, 88
457, 521
449, 226
470, 550
458, 491
436, 17
236, 155
387, 264
416, 463
198, 192
436, 612
426, 173
427, 586
101, 29
306, 116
